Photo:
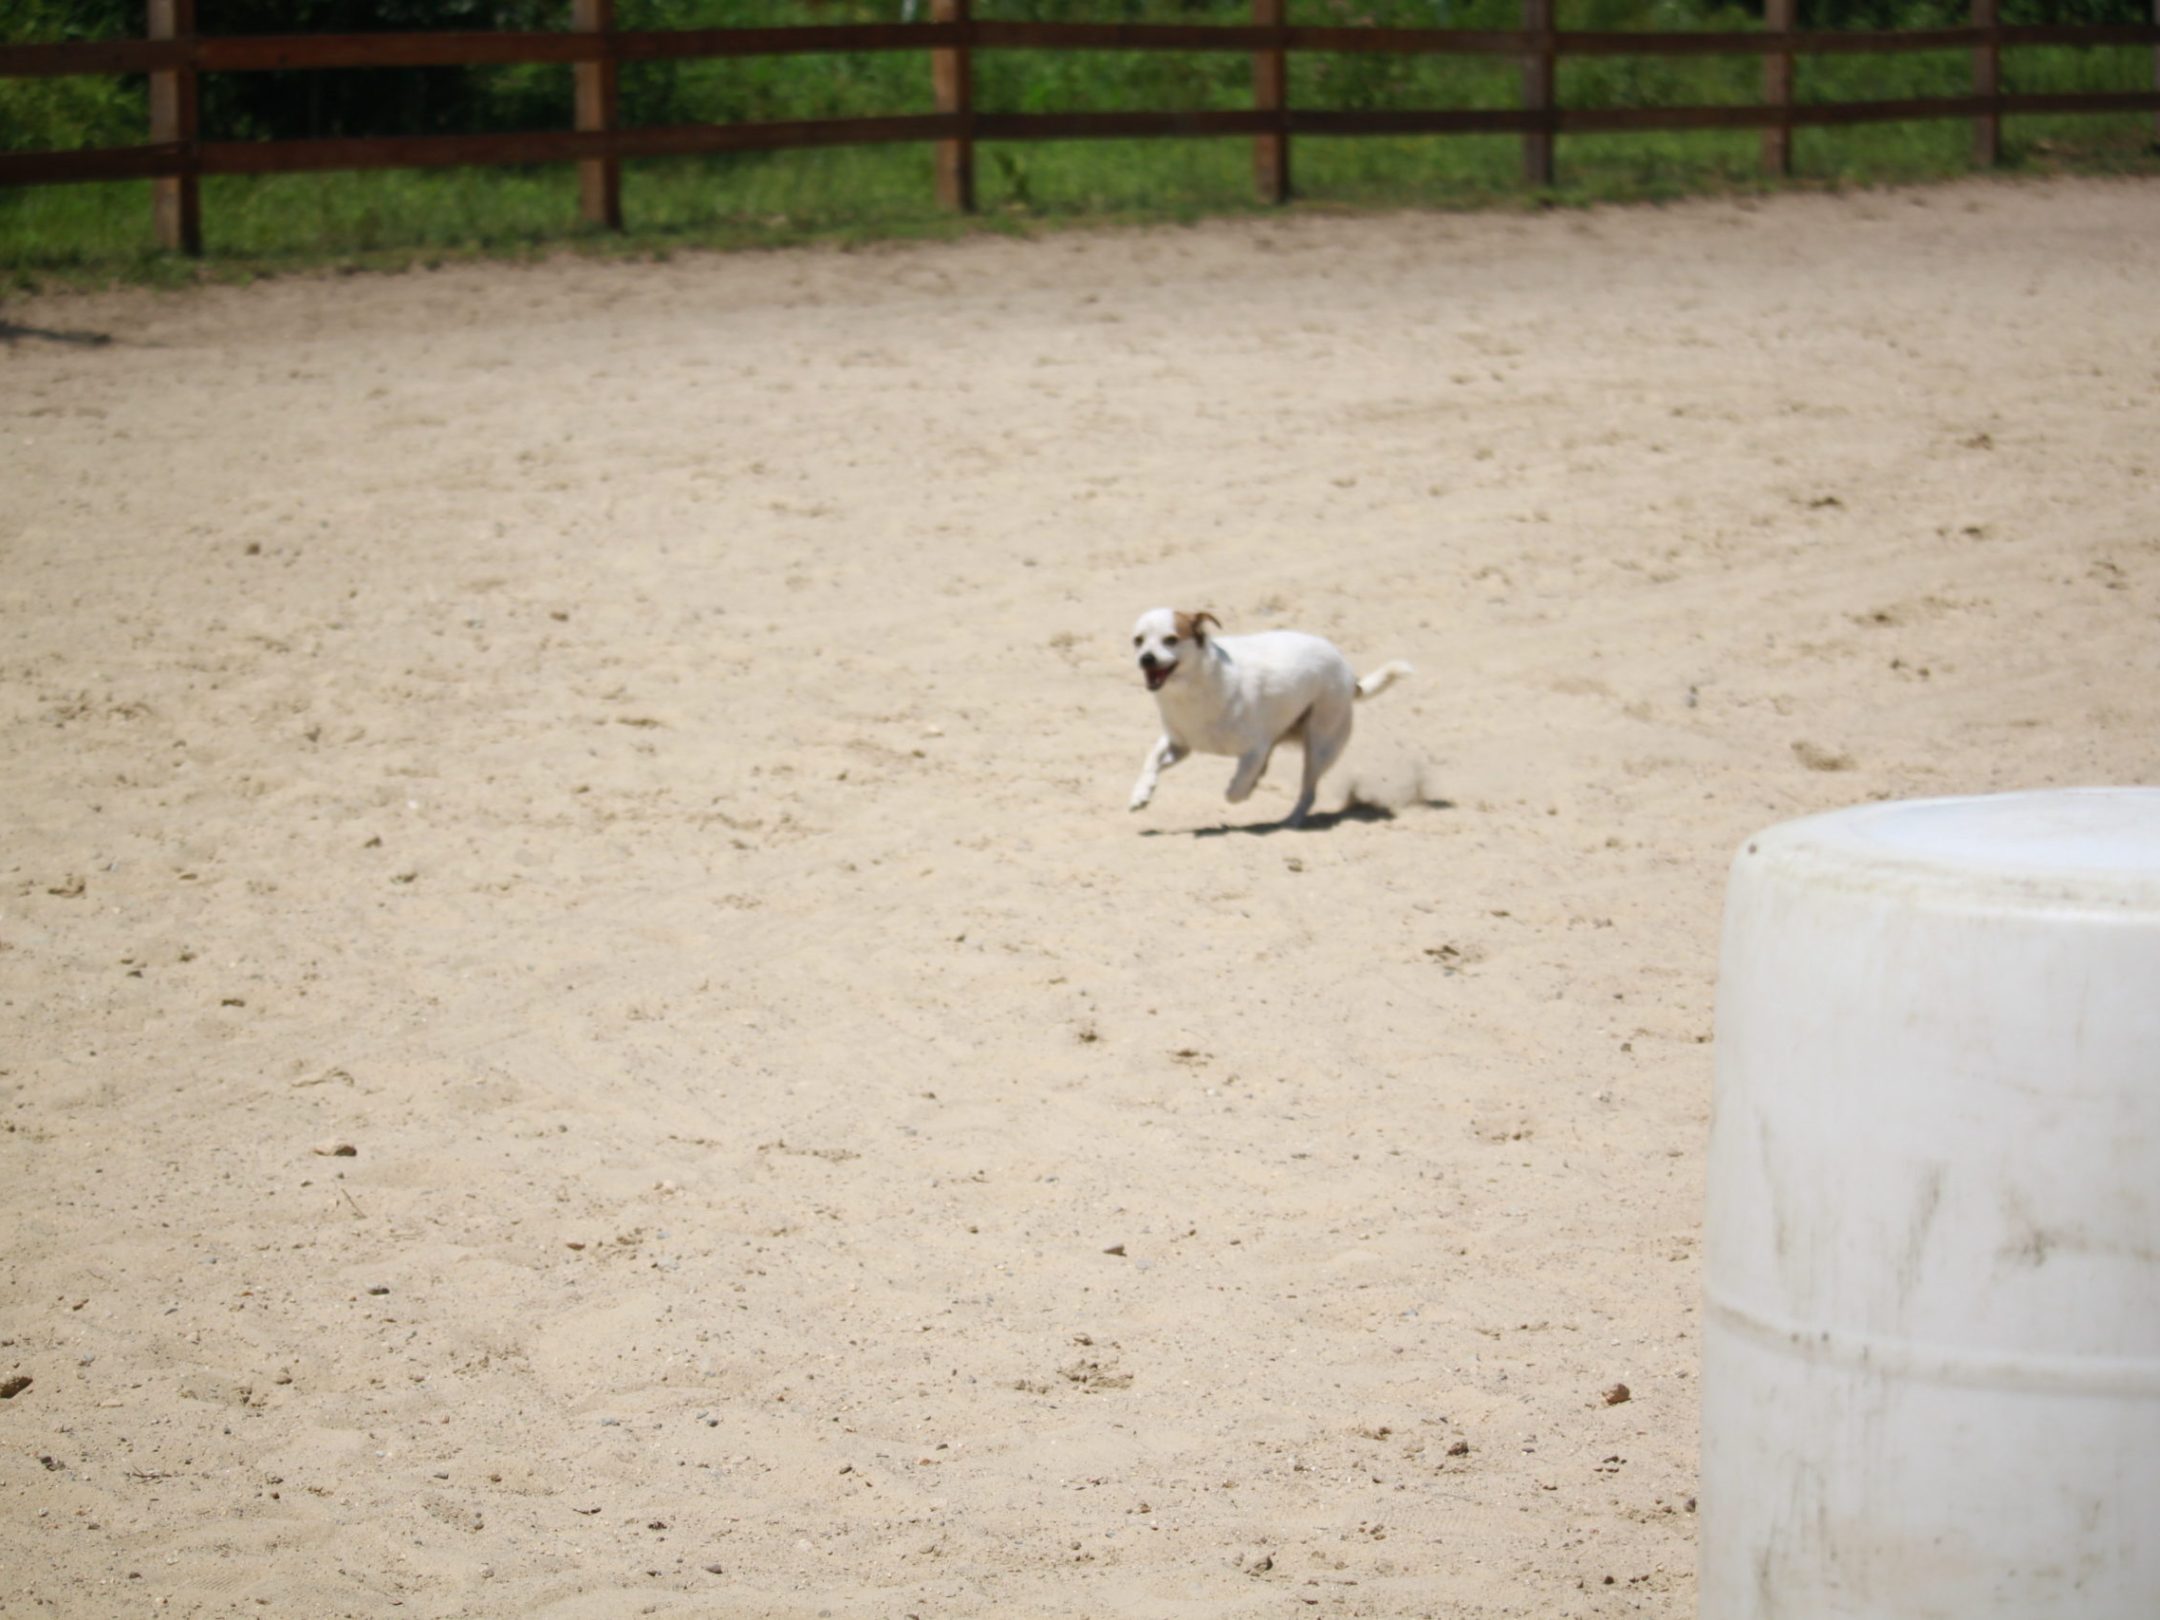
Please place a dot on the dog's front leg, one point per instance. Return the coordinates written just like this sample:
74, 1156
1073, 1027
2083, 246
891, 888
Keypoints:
1251, 766
1166, 752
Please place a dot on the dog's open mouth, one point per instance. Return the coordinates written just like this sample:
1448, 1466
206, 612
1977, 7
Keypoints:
1156, 674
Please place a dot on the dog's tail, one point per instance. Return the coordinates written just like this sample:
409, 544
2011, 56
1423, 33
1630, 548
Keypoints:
1377, 682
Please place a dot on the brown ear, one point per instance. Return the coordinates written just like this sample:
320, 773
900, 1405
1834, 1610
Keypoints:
1192, 625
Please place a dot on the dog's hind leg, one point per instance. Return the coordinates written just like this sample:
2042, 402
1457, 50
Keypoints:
1251, 766
1325, 736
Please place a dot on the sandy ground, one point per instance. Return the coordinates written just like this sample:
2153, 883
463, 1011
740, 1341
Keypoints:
633, 758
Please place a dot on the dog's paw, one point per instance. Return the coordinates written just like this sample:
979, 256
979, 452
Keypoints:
1139, 802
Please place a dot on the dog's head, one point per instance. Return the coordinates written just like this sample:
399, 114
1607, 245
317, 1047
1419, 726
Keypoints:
1165, 637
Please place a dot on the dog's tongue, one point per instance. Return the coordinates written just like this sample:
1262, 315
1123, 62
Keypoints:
1156, 676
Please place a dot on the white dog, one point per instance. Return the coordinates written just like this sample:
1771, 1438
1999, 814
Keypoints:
1242, 695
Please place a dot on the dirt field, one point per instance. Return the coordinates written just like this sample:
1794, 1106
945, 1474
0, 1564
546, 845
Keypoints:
584, 1029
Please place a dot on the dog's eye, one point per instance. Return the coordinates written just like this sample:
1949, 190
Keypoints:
1169, 641
1136, 641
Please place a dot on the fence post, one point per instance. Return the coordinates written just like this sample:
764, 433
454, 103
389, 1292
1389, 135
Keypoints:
1778, 88
599, 105
1537, 92
1271, 94
952, 77
176, 115
1987, 82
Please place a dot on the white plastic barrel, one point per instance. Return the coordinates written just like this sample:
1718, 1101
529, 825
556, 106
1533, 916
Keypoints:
1931, 1334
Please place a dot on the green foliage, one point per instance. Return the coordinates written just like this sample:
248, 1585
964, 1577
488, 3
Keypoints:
44, 115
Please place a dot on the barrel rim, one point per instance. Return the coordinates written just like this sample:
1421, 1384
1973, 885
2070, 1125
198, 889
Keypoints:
1845, 849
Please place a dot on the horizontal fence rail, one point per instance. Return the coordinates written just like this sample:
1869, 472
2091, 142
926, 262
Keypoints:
265, 53
174, 57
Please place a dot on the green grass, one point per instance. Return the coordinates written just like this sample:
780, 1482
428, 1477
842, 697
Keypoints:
102, 233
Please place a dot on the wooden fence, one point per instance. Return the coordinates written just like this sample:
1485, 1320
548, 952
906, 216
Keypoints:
175, 56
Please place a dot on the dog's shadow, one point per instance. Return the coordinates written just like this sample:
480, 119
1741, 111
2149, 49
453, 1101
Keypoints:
12, 334
1319, 821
